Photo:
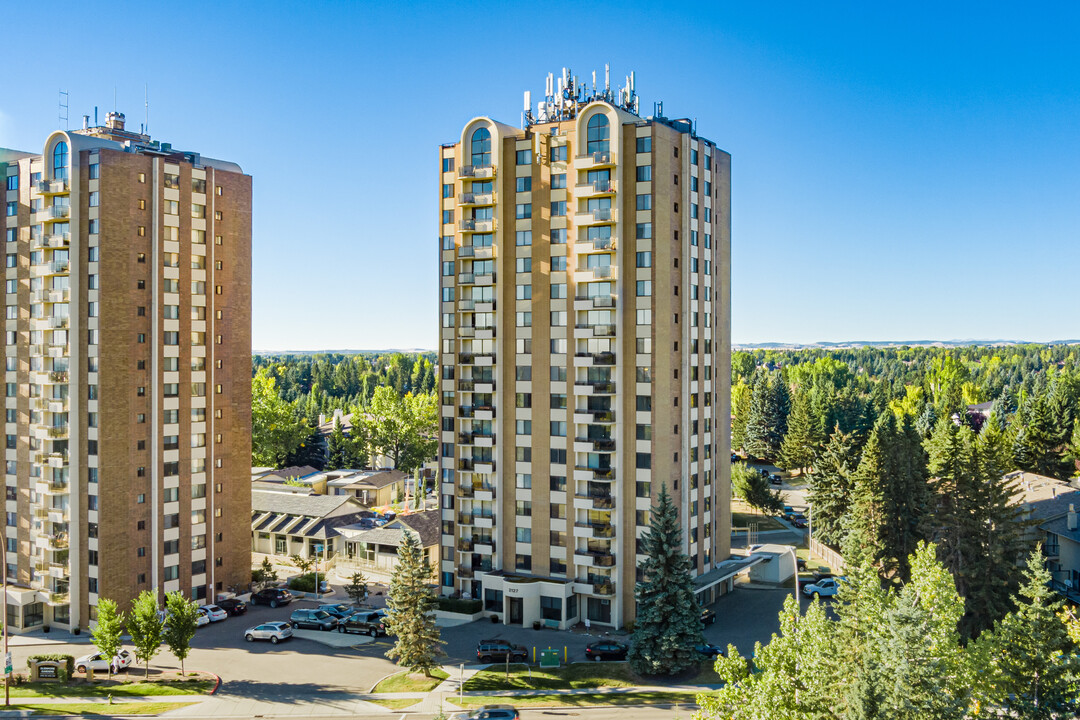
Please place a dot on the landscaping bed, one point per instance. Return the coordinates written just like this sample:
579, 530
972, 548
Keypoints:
101, 709
568, 677
118, 687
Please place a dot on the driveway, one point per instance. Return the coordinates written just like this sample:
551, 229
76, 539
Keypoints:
461, 640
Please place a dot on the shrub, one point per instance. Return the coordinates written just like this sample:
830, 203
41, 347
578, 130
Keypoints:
305, 582
459, 605
68, 660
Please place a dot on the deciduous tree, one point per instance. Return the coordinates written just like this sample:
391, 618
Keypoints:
144, 625
108, 631
181, 625
276, 430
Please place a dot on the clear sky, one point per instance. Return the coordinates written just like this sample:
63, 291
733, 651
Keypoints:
901, 171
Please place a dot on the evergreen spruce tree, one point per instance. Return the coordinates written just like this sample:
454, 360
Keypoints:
336, 446
1029, 661
757, 421
668, 622
801, 443
831, 488
740, 411
411, 610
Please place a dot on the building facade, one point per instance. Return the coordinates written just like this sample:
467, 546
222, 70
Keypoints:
584, 351
127, 346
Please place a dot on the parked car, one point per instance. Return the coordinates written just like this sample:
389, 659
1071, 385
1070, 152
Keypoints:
775, 479
202, 617
606, 650
708, 617
488, 712
214, 612
498, 650
364, 623
827, 587
339, 610
764, 472
789, 512
275, 632
800, 564
272, 597
709, 651
798, 520
233, 606
315, 619
97, 662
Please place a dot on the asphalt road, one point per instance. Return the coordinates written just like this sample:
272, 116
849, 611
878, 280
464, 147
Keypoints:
597, 713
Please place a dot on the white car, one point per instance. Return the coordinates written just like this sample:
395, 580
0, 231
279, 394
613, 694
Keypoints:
99, 664
214, 613
202, 617
826, 587
275, 632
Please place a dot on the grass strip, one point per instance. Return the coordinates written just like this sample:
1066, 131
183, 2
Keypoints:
395, 703
116, 689
102, 709
410, 682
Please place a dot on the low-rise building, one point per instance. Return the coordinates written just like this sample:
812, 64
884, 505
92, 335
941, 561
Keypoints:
284, 524
374, 551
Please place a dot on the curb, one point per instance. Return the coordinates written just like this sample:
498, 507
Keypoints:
384, 677
216, 685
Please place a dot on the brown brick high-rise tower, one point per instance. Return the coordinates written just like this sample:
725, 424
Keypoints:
127, 346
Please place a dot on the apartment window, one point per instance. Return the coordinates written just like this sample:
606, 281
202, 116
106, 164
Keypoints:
558, 427
523, 400
558, 263
523, 237
523, 454
524, 292
448, 164
523, 211
558, 181
644, 461
558, 401
523, 562
598, 132
448, 268
644, 403
94, 199
643, 374
558, 373
558, 291
523, 265
644, 144
644, 202
523, 535
523, 319
558, 456
447, 191
447, 217
12, 182
558, 153
693, 184
644, 259
523, 372
558, 208
523, 508
644, 231
644, 173
523, 184
480, 147
558, 236
693, 210
558, 319
557, 483
558, 346
524, 157
644, 288
523, 427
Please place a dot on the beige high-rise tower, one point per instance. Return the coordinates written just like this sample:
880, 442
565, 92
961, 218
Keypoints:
128, 358
585, 353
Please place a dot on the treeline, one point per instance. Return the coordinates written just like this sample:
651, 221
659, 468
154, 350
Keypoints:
895, 457
323, 382
390, 396
895, 653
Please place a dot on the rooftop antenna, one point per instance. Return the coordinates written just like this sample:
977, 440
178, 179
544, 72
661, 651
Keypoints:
62, 111
146, 103
607, 80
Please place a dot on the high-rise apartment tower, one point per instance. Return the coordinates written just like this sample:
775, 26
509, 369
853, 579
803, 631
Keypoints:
127, 350
585, 353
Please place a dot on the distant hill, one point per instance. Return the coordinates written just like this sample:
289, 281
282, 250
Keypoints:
341, 352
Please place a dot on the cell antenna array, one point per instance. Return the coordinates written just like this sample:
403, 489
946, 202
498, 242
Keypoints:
564, 95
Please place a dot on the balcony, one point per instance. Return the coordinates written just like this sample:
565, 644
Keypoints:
604, 158
598, 473
584, 245
466, 491
590, 303
464, 545
52, 405
55, 212
476, 171
58, 322
52, 187
599, 216
596, 530
465, 519
482, 252
598, 187
594, 586
50, 296
56, 241
482, 225
469, 198
595, 559
598, 444
56, 267
598, 501
590, 387
57, 598
476, 279
595, 330
599, 272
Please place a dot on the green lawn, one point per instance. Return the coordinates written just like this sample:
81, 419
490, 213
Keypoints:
583, 700
114, 688
764, 522
396, 703
103, 709
411, 683
572, 676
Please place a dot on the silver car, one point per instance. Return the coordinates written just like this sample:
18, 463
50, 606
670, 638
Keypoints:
272, 631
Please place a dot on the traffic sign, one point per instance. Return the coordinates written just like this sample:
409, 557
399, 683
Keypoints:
7, 663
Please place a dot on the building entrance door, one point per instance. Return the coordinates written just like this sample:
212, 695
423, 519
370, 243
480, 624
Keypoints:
515, 611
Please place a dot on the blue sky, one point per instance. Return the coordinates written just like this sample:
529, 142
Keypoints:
900, 172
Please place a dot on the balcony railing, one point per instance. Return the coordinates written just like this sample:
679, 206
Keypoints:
52, 187
476, 171
477, 224
599, 559
596, 244
56, 212
51, 240
599, 530
601, 501
597, 187
598, 388
469, 198
50, 296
